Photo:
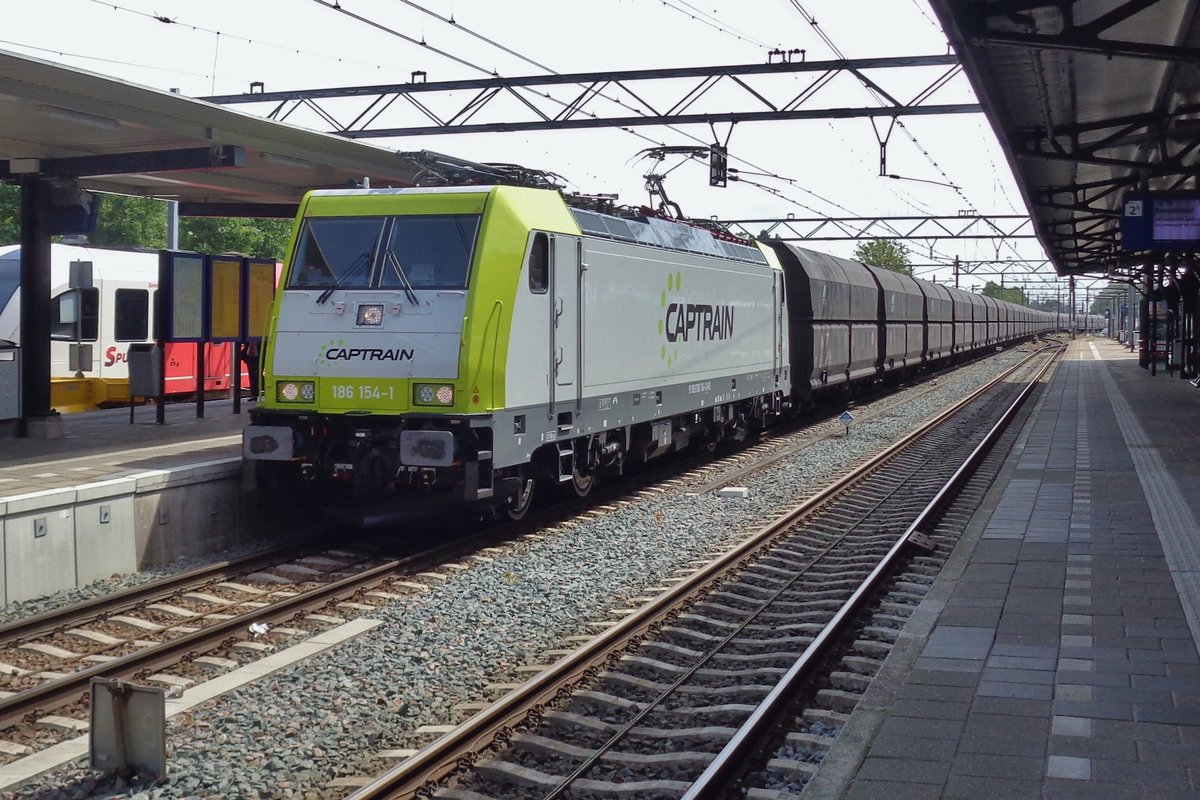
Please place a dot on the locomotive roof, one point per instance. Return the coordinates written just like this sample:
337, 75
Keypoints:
664, 233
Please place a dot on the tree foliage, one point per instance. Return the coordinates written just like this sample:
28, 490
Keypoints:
262, 238
885, 253
10, 214
130, 222
999, 292
125, 221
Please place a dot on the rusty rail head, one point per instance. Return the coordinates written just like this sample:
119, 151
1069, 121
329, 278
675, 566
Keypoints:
725, 768
76, 613
54, 694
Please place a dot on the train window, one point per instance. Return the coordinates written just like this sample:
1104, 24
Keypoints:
336, 252
539, 264
75, 315
10, 279
429, 251
131, 317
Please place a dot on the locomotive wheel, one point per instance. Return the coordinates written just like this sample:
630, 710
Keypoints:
582, 484
524, 499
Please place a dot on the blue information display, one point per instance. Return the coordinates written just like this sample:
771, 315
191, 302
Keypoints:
1165, 221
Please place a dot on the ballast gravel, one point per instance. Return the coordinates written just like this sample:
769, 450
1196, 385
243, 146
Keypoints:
291, 733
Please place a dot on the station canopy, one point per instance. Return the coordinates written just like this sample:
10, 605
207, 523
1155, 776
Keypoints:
108, 135
1090, 99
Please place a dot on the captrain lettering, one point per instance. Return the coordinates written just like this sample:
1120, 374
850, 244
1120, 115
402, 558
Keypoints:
368, 354
698, 321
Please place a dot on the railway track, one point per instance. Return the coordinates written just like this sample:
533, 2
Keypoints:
674, 698
196, 625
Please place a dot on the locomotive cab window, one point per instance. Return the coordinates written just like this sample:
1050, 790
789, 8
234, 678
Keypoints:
428, 251
75, 315
131, 317
336, 252
539, 264
10, 278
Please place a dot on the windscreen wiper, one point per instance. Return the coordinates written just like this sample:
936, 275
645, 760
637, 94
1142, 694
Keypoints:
363, 260
390, 256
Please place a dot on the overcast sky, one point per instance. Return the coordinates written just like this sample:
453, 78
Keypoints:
221, 46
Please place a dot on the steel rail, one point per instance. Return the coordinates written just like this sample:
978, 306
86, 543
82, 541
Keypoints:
90, 610
445, 754
725, 769
62, 691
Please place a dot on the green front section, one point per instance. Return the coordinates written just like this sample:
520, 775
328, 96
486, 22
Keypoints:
509, 215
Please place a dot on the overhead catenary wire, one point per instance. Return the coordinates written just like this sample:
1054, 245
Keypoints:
459, 26
248, 40
812, 21
714, 22
102, 60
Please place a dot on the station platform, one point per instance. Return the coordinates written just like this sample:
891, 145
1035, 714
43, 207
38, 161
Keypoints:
1056, 655
110, 497
100, 445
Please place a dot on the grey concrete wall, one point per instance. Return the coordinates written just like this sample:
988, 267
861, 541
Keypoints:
64, 538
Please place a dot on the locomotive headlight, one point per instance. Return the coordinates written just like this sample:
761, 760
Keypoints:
295, 391
370, 314
433, 394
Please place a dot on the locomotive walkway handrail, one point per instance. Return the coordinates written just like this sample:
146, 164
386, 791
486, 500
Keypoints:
442, 756
724, 770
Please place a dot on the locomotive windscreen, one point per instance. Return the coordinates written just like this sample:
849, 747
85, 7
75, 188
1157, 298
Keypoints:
408, 251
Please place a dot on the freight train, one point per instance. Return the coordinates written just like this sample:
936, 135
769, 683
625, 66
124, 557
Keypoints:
462, 346
100, 322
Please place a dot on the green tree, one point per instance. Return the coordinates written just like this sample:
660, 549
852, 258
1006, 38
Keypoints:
885, 253
125, 221
1017, 296
261, 238
130, 222
766, 236
10, 214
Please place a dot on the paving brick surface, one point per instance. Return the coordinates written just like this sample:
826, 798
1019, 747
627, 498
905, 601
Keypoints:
1064, 660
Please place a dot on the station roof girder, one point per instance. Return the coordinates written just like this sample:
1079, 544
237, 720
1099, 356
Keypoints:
115, 136
1089, 98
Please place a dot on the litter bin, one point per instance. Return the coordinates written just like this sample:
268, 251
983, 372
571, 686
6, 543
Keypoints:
10, 380
145, 370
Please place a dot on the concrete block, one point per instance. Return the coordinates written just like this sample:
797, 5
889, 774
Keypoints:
104, 537
186, 520
39, 553
158, 522
100, 490
734, 491
40, 501
3, 562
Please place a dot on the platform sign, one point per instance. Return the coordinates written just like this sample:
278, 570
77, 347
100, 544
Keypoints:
225, 298
181, 276
1164, 221
261, 277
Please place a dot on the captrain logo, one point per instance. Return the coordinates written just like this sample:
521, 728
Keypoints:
689, 322
336, 350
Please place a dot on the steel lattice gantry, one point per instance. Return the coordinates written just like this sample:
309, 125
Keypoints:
841, 229
619, 98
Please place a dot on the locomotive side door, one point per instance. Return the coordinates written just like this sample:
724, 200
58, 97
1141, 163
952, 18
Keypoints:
779, 294
567, 317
